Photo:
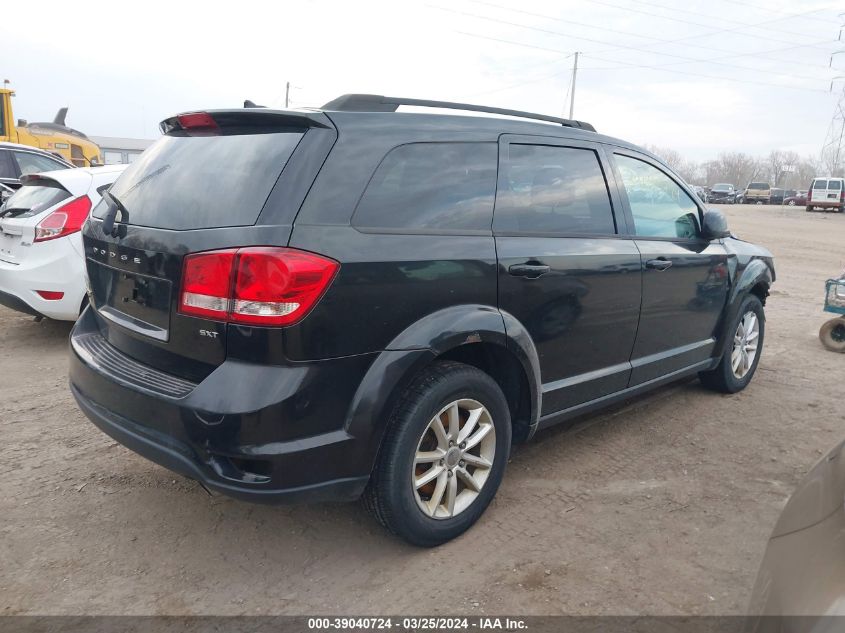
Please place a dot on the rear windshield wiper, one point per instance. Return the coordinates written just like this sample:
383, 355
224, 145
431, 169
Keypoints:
115, 205
13, 210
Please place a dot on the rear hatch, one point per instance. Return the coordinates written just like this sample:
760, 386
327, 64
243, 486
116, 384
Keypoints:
38, 198
824, 190
215, 180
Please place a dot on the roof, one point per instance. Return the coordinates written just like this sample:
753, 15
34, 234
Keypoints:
118, 142
380, 103
36, 150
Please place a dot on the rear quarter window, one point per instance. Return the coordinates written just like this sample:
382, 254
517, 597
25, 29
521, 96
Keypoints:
197, 182
431, 187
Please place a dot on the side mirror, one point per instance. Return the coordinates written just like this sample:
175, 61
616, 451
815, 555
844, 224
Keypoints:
715, 225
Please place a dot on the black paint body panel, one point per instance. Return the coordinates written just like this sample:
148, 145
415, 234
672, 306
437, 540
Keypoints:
298, 413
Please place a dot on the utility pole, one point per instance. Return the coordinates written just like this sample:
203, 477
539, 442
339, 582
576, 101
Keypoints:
287, 94
572, 91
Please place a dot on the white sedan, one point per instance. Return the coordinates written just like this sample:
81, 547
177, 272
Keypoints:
42, 265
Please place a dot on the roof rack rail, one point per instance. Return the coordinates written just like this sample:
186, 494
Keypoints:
380, 103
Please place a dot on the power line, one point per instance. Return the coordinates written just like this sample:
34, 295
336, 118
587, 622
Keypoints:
521, 83
788, 15
636, 48
729, 55
707, 15
687, 73
706, 26
650, 67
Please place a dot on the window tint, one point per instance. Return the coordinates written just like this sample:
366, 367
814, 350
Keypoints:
820, 184
431, 186
7, 169
548, 189
659, 206
31, 200
194, 182
33, 163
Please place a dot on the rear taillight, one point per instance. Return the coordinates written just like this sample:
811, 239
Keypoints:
65, 220
257, 285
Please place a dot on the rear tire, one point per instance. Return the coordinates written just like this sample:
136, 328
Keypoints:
832, 335
394, 494
731, 376
809, 208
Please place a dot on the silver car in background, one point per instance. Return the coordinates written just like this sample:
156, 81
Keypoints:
803, 569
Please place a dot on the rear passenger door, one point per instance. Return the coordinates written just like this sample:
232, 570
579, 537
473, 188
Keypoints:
685, 277
567, 271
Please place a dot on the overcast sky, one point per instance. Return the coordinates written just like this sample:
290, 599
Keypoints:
122, 67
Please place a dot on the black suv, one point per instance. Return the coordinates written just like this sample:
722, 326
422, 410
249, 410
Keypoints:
352, 301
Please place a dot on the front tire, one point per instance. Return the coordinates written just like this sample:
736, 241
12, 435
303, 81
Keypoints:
742, 355
832, 335
443, 456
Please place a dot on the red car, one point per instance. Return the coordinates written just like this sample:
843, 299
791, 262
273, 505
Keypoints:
799, 200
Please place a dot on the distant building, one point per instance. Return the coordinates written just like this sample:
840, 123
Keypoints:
117, 151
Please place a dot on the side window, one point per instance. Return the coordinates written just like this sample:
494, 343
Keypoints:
659, 206
550, 189
431, 186
33, 163
7, 169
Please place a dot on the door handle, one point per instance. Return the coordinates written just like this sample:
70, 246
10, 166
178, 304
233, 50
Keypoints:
659, 264
531, 271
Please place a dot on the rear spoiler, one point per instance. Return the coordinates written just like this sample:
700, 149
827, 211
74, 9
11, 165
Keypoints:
249, 120
44, 181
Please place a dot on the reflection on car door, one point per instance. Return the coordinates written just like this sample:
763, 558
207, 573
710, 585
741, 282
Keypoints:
567, 271
685, 277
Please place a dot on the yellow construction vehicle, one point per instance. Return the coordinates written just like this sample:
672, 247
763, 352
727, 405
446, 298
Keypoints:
55, 137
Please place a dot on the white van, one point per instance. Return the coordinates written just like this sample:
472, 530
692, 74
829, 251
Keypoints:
827, 193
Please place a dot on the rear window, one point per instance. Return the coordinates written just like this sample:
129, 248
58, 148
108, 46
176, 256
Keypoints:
722, 187
30, 200
190, 182
759, 185
431, 187
836, 185
820, 184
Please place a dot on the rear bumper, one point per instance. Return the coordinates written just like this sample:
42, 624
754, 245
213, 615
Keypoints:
826, 204
266, 434
53, 266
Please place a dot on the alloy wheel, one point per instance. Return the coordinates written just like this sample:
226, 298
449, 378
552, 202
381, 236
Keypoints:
454, 458
746, 338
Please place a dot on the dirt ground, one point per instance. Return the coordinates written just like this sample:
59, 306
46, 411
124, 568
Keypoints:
662, 506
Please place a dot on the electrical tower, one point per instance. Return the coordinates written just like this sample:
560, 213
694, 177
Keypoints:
833, 153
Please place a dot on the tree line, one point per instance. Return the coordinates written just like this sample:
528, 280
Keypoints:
739, 168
